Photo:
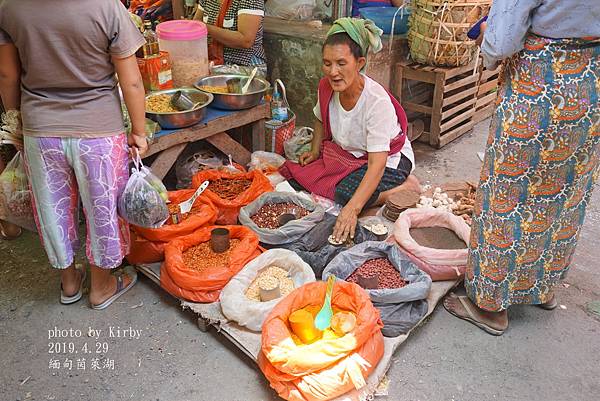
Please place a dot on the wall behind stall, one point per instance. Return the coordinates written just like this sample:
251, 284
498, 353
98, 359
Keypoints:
294, 55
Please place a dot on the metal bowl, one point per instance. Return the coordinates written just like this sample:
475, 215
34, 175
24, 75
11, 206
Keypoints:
181, 119
234, 101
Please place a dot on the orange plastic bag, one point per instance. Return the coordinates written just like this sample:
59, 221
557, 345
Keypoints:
229, 209
206, 285
324, 369
142, 251
147, 244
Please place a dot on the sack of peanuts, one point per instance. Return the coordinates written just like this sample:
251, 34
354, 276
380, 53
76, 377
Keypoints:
396, 286
328, 367
147, 245
194, 272
230, 191
252, 293
266, 214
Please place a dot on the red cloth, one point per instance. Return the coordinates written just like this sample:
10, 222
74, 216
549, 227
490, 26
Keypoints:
322, 175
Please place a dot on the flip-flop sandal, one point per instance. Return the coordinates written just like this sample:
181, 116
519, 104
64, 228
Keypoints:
67, 300
120, 289
550, 305
8, 237
471, 318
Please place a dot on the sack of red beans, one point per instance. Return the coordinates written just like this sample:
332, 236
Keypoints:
396, 286
263, 217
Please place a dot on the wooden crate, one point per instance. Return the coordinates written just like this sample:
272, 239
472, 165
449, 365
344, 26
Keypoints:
486, 94
443, 97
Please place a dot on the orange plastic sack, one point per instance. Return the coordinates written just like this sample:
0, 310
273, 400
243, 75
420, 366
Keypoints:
206, 285
229, 209
324, 369
147, 244
143, 251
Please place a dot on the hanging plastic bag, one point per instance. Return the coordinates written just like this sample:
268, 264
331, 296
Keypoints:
250, 313
229, 208
187, 283
289, 232
291, 9
15, 197
298, 144
147, 245
143, 202
413, 294
326, 368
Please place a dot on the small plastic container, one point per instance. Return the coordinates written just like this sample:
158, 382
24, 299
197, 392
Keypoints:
186, 43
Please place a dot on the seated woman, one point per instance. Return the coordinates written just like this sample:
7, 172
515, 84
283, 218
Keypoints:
358, 4
360, 154
235, 31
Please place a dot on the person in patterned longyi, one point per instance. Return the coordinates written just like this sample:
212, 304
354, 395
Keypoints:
542, 157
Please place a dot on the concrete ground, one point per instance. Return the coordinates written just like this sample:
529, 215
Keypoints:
545, 356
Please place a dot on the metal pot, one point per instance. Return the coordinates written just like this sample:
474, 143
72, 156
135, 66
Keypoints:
181, 119
234, 101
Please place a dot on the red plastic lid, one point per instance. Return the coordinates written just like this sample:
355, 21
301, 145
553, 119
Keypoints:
181, 30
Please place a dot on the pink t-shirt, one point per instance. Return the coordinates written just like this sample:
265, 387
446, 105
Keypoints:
68, 84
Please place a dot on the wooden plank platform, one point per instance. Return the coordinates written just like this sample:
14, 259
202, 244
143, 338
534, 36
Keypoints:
249, 342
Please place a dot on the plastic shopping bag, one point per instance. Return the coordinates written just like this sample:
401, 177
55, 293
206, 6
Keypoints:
300, 143
143, 202
15, 195
250, 313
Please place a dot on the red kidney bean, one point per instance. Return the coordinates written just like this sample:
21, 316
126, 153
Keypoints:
389, 277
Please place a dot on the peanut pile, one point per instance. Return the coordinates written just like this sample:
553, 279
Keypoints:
267, 216
268, 279
389, 277
201, 257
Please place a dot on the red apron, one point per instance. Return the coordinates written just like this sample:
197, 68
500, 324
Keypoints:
335, 164
215, 49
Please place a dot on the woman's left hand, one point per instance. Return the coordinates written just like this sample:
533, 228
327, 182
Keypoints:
345, 224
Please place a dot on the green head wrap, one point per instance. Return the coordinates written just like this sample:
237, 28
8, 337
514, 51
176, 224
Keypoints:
362, 31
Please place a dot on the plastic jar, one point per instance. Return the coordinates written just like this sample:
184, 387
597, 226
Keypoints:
186, 43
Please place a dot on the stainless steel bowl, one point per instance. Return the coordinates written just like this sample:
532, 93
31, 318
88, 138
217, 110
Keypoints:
181, 119
234, 101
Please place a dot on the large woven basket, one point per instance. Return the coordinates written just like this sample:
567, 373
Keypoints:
438, 31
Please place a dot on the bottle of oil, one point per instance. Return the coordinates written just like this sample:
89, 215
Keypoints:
150, 48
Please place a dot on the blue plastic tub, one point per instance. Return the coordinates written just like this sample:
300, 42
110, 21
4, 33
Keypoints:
383, 16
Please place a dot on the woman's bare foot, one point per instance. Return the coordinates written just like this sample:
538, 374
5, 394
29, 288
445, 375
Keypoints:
104, 285
494, 323
411, 184
70, 280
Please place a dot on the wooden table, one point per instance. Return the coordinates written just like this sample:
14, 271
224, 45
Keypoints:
170, 143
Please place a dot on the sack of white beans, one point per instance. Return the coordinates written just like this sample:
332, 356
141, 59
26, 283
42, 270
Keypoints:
240, 299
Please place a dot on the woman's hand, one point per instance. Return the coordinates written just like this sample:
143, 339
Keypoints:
139, 142
345, 224
482, 28
308, 157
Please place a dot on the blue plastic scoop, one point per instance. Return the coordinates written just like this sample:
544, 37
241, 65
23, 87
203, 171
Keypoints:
323, 318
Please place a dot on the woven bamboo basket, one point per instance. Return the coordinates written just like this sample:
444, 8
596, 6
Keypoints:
438, 31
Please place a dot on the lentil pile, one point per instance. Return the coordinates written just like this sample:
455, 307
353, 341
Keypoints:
229, 188
389, 277
269, 278
201, 257
267, 216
